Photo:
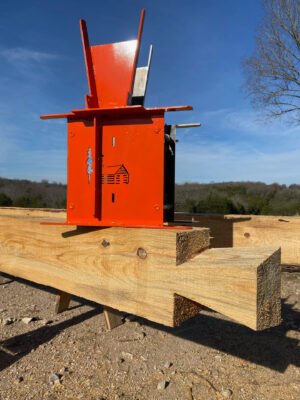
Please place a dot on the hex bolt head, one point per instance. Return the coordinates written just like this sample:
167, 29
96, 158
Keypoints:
141, 253
105, 243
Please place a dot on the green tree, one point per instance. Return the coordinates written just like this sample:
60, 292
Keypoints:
5, 201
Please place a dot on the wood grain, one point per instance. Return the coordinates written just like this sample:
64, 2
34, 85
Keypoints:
252, 231
63, 300
102, 265
113, 318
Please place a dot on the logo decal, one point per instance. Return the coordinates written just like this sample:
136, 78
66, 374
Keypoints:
89, 164
114, 174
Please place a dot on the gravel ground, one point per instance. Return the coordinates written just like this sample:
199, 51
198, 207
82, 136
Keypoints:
72, 356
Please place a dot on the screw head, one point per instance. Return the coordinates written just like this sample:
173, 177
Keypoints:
105, 243
141, 253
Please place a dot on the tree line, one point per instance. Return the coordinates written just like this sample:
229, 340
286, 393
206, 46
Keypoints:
211, 198
238, 198
25, 193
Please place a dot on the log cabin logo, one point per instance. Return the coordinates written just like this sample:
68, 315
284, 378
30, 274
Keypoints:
115, 174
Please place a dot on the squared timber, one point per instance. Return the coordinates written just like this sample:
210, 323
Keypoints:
178, 275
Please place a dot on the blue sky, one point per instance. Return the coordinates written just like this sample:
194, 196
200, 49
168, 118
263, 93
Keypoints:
198, 50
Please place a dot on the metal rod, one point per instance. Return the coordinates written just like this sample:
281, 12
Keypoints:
192, 125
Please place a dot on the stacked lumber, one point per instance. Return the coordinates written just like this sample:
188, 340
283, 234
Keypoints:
164, 275
252, 231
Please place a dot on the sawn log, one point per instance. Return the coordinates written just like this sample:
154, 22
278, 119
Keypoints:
164, 275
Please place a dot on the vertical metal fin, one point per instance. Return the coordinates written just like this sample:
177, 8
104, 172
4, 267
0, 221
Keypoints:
91, 99
141, 82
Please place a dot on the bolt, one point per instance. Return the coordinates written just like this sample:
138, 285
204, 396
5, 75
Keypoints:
141, 253
105, 243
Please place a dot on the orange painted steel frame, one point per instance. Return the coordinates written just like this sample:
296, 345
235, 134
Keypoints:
115, 150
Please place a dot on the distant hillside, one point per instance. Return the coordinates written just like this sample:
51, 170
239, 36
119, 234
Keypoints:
24, 193
238, 198
220, 198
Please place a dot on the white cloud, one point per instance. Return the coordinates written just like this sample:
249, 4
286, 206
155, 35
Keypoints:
22, 55
248, 122
29, 148
234, 145
33, 164
21, 158
206, 162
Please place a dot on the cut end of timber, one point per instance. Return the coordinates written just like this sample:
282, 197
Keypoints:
191, 243
240, 283
184, 309
268, 293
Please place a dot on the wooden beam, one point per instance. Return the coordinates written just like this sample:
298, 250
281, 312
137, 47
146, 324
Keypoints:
63, 300
113, 318
164, 275
252, 231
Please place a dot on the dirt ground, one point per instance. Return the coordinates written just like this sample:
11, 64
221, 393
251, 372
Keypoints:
208, 357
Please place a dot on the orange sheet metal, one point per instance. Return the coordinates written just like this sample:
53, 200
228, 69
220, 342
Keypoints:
110, 69
116, 151
115, 171
129, 110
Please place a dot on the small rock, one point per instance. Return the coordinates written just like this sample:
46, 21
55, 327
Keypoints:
139, 335
203, 391
127, 356
227, 393
27, 320
168, 364
162, 385
55, 379
19, 379
130, 318
45, 322
7, 321
1, 310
